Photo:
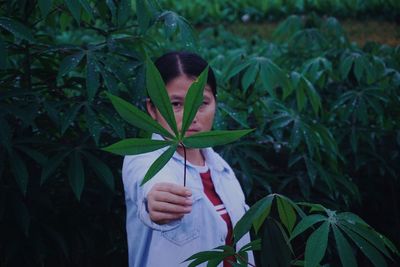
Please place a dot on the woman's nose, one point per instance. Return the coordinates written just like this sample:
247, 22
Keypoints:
195, 118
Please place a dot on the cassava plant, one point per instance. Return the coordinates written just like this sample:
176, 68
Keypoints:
159, 97
279, 224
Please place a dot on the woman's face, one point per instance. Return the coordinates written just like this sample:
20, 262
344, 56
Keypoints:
177, 89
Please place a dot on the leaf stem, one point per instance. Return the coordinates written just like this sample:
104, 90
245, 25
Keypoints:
243, 259
184, 166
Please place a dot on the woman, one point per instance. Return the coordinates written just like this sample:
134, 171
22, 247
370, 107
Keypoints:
167, 222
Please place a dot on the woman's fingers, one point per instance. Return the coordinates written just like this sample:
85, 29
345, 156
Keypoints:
168, 197
173, 189
167, 202
169, 208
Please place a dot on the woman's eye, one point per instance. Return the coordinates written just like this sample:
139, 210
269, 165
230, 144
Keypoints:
176, 104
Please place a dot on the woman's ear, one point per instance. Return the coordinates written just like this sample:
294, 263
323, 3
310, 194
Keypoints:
151, 109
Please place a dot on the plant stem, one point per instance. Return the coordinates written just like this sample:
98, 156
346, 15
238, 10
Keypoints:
243, 259
184, 166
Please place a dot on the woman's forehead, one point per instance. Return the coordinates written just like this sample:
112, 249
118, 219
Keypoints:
181, 84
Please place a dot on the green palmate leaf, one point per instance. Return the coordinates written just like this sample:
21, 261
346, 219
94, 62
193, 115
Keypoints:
19, 170
5, 134
93, 124
327, 138
171, 20
390, 245
124, 10
205, 256
296, 134
249, 76
134, 146
115, 124
69, 63
69, 117
243, 259
351, 218
65, 20
92, 77
75, 9
286, 214
370, 235
253, 245
345, 250
258, 221
247, 181
316, 246
306, 223
310, 138
88, 9
186, 32
51, 165
159, 96
21, 214
143, 14
311, 169
45, 6
76, 174
3, 54
213, 138
300, 97
16, 28
102, 170
254, 216
372, 253
59, 240
112, 8
314, 207
193, 100
33, 154
354, 139
159, 163
239, 117
313, 96
273, 76
281, 122
345, 66
238, 68
110, 81
275, 250
136, 117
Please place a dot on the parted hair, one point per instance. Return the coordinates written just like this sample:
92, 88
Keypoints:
176, 63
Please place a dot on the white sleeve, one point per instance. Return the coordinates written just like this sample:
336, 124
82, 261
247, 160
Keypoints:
133, 171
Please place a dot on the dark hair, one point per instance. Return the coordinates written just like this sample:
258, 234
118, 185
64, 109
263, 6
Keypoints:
174, 64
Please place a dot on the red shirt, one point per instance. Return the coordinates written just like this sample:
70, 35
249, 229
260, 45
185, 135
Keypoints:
212, 195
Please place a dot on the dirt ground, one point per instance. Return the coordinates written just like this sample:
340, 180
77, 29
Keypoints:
372, 30
383, 32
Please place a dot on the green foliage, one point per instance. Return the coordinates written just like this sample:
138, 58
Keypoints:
200, 12
325, 113
277, 243
325, 133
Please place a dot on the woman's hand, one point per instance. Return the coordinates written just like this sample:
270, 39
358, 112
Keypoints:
167, 202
